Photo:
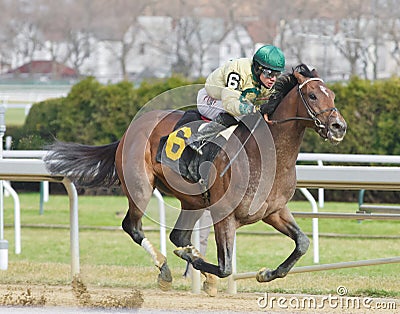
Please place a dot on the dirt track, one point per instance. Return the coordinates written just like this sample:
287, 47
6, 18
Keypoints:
79, 296
50, 296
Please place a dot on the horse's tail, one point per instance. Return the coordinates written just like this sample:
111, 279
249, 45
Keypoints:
85, 165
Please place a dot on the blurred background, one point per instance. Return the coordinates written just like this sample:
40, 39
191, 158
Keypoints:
113, 40
80, 70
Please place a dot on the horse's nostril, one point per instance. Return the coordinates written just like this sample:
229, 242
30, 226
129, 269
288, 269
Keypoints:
338, 126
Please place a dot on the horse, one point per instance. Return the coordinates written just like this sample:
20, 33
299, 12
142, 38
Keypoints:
239, 193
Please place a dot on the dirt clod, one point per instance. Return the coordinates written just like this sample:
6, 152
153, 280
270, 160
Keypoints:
24, 298
127, 301
80, 291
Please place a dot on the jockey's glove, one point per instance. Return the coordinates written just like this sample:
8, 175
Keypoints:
246, 107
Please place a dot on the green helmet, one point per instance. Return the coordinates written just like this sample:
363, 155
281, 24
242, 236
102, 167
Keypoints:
270, 57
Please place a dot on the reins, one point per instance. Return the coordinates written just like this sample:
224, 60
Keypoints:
313, 115
259, 118
272, 122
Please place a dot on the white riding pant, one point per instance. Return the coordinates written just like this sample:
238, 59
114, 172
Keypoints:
208, 107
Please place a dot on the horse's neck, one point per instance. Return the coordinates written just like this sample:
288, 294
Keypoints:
287, 145
288, 136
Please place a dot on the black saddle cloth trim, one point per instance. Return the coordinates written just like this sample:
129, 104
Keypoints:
188, 164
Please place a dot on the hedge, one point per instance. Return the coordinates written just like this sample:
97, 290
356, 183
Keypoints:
93, 113
96, 114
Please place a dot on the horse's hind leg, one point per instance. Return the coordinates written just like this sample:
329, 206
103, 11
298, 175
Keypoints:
284, 222
137, 182
138, 198
132, 224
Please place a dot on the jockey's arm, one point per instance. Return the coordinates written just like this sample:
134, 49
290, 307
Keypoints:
234, 104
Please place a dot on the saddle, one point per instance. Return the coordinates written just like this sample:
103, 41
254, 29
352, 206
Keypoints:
174, 152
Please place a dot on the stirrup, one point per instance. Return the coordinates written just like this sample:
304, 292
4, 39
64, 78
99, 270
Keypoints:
196, 148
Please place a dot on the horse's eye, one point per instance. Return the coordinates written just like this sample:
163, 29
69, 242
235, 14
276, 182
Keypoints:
312, 96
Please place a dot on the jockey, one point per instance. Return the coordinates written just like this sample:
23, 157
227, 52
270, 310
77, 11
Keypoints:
233, 89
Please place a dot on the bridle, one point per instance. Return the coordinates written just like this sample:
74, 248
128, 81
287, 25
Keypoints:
313, 115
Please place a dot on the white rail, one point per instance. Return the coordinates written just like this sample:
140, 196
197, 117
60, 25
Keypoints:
340, 177
34, 170
17, 216
28, 166
347, 158
28, 154
337, 177
322, 267
349, 177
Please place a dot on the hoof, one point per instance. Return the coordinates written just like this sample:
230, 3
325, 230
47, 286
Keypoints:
264, 275
164, 278
163, 284
188, 253
182, 252
210, 285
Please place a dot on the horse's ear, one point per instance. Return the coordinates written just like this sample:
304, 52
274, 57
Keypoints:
314, 73
300, 78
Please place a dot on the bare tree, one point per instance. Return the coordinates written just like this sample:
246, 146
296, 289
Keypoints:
235, 16
24, 34
299, 23
379, 16
6, 40
389, 15
46, 26
200, 28
183, 49
353, 22
66, 25
117, 21
184, 23
66, 29
394, 35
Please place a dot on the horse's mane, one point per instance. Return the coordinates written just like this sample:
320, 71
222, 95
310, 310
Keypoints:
283, 85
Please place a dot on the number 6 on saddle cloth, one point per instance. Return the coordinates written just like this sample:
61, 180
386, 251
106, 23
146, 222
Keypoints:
173, 152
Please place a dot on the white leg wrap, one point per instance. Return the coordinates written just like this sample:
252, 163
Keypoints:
152, 251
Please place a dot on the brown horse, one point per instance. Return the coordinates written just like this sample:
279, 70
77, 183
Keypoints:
253, 178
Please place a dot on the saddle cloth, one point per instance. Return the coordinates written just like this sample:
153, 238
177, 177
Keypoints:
174, 153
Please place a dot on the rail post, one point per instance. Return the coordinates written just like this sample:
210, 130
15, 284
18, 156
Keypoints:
3, 242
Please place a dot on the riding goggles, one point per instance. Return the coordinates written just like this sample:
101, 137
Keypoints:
267, 73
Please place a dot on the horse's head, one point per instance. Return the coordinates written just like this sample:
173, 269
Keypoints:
318, 101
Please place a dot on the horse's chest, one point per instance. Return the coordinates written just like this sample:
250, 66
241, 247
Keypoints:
282, 190
250, 209
264, 196
245, 217
285, 179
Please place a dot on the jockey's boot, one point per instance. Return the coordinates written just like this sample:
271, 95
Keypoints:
210, 131
205, 134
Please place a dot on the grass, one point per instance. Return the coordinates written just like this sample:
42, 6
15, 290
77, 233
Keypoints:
15, 116
110, 258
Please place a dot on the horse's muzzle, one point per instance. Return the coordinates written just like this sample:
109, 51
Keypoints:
336, 129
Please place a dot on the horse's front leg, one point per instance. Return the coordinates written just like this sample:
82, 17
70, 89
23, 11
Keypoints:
181, 237
284, 222
224, 237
